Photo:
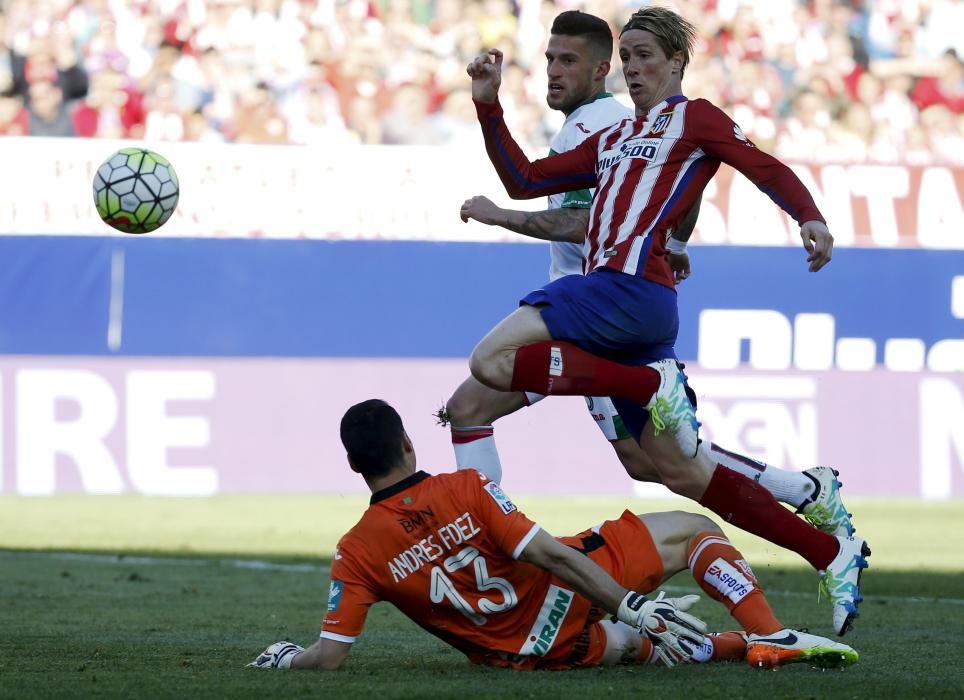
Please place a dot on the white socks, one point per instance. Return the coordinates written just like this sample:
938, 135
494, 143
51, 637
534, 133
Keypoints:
793, 488
475, 449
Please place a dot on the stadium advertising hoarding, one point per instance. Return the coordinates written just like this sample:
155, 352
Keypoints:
413, 193
160, 366
180, 365
195, 427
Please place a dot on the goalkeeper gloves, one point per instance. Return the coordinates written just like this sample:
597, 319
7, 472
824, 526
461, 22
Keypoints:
278, 655
675, 633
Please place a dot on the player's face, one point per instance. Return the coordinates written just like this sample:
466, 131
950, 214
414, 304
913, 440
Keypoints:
571, 67
650, 75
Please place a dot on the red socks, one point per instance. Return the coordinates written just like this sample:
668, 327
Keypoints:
554, 367
750, 507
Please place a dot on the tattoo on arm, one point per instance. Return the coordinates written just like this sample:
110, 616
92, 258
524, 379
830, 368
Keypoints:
565, 224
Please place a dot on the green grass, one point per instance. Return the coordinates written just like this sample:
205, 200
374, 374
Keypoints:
120, 627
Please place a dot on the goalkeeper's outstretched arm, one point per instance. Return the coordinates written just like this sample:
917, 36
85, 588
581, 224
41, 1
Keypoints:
323, 655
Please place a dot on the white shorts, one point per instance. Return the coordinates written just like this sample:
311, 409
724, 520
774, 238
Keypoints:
607, 418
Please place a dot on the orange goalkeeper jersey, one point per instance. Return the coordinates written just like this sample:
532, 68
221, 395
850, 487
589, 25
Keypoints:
444, 550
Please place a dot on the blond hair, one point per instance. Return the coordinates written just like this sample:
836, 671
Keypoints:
671, 31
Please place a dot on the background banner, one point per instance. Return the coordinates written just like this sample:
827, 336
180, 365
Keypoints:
200, 426
413, 193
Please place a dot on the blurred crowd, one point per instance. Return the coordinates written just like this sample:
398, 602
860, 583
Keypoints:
865, 80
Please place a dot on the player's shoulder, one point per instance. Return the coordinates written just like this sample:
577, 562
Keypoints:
463, 479
703, 108
598, 114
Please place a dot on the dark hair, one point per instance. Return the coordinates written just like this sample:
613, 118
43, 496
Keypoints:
595, 30
371, 432
671, 31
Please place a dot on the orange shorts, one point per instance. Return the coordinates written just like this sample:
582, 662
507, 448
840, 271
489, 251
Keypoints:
626, 551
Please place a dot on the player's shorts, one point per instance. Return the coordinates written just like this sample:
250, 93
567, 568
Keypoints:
607, 419
626, 551
620, 317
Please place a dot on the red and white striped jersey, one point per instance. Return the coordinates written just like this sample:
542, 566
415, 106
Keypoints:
648, 172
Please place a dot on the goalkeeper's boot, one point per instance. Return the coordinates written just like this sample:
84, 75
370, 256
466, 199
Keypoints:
791, 647
840, 582
671, 409
824, 510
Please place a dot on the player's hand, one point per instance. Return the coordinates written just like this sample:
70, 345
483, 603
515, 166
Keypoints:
818, 242
481, 209
278, 655
486, 73
679, 263
675, 633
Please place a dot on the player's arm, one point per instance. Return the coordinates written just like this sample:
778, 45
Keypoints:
679, 259
586, 577
672, 630
323, 655
563, 224
350, 595
726, 142
564, 172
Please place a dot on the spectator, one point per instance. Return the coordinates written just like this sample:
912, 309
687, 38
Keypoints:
48, 114
946, 88
14, 119
393, 71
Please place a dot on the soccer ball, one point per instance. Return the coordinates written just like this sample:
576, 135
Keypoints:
135, 190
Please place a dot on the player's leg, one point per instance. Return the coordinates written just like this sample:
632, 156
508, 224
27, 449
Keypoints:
634, 459
470, 411
750, 507
613, 642
815, 492
694, 542
600, 315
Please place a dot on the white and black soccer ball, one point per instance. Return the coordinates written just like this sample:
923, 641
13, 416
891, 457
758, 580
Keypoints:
136, 190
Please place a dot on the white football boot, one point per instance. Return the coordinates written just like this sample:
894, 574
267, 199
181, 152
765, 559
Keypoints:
670, 408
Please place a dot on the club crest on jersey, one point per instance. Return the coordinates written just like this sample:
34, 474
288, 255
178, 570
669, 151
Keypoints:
498, 495
661, 122
636, 148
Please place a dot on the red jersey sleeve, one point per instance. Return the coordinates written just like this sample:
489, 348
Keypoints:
350, 595
508, 528
721, 138
563, 172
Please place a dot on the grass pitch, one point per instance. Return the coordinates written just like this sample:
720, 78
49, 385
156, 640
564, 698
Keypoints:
183, 608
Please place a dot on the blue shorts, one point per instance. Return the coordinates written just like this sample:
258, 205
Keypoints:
619, 317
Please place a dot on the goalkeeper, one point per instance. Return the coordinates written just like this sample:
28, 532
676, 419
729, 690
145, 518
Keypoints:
455, 555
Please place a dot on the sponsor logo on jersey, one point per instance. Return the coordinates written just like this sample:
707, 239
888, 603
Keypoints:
546, 628
555, 362
661, 122
334, 595
582, 128
636, 148
415, 520
498, 495
728, 580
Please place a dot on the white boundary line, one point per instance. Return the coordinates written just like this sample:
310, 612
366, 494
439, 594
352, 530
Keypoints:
260, 565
